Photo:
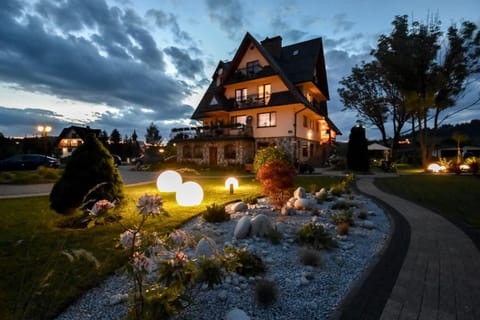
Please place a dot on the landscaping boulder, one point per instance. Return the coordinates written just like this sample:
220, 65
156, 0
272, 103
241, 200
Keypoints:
287, 211
236, 314
242, 229
261, 226
239, 206
302, 204
205, 247
300, 193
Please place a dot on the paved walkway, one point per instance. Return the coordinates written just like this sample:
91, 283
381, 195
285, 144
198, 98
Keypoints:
440, 276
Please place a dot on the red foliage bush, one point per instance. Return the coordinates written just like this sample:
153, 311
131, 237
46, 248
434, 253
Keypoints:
277, 178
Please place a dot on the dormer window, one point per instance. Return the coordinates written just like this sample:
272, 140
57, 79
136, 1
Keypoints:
252, 68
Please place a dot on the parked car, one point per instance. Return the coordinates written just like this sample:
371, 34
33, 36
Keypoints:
117, 160
147, 159
28, 162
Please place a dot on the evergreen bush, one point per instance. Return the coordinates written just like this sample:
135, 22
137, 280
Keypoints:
357, 153
89, 175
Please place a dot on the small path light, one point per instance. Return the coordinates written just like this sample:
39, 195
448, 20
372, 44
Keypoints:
189, 194
169, 181
231, 183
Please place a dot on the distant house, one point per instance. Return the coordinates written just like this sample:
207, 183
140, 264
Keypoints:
268, 95
72, 137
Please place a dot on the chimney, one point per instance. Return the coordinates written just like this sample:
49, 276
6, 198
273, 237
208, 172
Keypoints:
273, 46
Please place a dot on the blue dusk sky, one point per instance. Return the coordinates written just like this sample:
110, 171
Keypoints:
127, 63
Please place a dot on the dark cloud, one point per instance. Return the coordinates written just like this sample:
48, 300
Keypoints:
186, 66
229, 15
341, 24
164, 20
120, 65
26, 120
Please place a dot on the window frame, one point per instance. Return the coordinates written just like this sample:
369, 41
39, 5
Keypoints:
269, 125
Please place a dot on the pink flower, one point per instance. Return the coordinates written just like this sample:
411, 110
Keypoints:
100, 207
142, 263
149, 205
178, 237
126, 239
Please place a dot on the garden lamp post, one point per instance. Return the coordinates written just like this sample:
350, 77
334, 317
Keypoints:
44, 130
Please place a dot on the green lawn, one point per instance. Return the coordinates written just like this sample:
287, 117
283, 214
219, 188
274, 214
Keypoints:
455, 197
38, 280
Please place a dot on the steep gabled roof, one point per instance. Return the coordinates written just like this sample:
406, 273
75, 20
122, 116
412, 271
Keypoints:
82, 132
294, 64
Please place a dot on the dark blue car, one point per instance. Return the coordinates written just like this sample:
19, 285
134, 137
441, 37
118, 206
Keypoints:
28, 162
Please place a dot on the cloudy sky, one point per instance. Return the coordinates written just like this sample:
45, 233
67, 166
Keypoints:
127, 63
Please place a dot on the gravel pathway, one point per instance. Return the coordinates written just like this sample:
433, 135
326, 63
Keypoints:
304, 292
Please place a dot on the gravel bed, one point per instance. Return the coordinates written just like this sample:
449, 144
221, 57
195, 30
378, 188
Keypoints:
304, 292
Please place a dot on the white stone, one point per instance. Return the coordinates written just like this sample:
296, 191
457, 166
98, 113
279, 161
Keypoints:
236, 314
118, 298
367, 224
302, 204
222, 295
260, 226
242, 229
205, 247
239, 207
299, 193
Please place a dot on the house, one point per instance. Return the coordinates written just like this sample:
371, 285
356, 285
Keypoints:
72, 137
268, 95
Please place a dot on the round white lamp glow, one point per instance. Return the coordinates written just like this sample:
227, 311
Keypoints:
189, 194
169, 181
231, 181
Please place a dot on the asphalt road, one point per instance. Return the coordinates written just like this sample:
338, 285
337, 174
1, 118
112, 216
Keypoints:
16, 191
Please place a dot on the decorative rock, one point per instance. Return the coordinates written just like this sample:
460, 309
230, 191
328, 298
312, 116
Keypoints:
367, 225
287, 211
300, 193
205, 247
242, 229
303, 281
260, 226
117, 299
222, 295
302, 204
281, 227
236, 314
239, 207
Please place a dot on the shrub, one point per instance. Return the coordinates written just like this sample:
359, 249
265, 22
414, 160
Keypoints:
89, 175
357, 153
215, 213
275, 236
264, 156
277, 178
244, 262
315, 236
210, 270
250, 200
309, 257
266, 292
342, 228
343, 216
474, 164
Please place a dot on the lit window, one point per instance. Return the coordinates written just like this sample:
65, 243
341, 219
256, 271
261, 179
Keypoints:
267, 119
305, 121
239, 120
264, 92
240, 95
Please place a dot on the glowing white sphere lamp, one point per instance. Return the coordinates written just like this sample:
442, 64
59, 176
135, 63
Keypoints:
189, 194
169, 181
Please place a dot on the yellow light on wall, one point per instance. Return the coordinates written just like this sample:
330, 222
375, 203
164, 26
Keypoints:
169, 181
189, 194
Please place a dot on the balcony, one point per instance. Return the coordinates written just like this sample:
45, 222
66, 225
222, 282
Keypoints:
215, 132
252, 72
252, 101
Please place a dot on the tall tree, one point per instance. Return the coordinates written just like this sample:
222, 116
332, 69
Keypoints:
115, 137
417, 79
153, 135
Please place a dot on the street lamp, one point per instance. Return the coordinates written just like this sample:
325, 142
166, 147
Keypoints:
44, 130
